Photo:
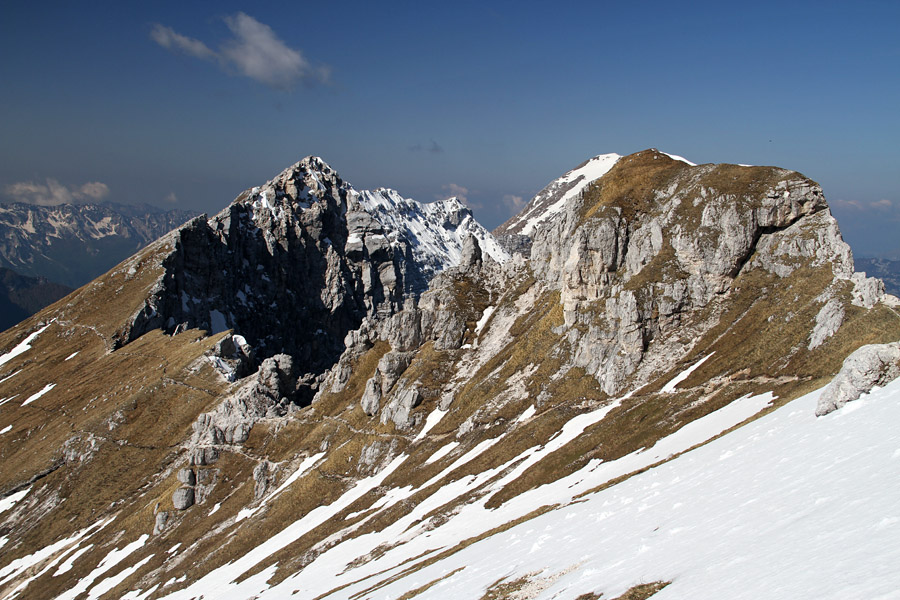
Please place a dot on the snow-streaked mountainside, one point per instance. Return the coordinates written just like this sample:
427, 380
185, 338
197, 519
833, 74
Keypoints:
553, 198
324, 393
73, 243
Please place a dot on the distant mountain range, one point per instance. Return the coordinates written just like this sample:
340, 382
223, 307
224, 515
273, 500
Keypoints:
74, 243
886, 269
21, 296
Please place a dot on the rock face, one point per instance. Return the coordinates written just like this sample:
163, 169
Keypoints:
869, 366
183, 498
295, 265
627, 274
269, 393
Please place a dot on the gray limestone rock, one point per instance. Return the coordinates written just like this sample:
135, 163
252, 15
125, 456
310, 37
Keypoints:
828, 321
183, 498
371, 397
391, 367
400, 407
159, 524
187, 476
869, 366
261, 476
471, 253
268, 394
867, 291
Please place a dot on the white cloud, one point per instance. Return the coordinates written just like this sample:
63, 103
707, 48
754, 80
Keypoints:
169, 39
515, 203
94, 190
459, 191
254, 51
171, 198
52, 192
883, 205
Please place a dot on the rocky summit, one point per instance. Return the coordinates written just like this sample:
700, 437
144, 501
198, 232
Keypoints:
329, 393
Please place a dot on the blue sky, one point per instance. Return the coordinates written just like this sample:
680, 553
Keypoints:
187, 105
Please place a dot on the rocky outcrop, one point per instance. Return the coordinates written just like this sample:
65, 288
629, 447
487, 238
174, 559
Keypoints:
626, 272
269, 393
295, 265
869, 366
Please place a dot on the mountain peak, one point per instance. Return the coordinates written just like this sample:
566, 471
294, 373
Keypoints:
400, 424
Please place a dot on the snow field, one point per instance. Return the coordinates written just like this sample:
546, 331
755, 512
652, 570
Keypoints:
788, 506
592, 170
670, 387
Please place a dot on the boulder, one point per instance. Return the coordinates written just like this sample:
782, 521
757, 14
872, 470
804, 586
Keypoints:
869, 366
183, 498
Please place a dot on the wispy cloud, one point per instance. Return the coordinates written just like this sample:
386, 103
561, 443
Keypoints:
460, 192
171, 198
254, 51
513, 202
432, 148
52, 192
881, 205
169, 39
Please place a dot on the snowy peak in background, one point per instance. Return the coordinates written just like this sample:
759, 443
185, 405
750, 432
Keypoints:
296, 264
435, 231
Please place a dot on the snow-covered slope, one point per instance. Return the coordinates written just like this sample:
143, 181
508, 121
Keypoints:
790, 506
435, 231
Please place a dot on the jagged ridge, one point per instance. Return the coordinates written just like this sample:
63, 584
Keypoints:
659, 296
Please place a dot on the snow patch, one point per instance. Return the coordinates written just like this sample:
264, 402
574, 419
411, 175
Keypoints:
305, 466
433, 418
679, 158
67, 564
527, 414
573, 182
442, 452
670, 387
37, 395
10, 376
484, 319
22, 346
11, 500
